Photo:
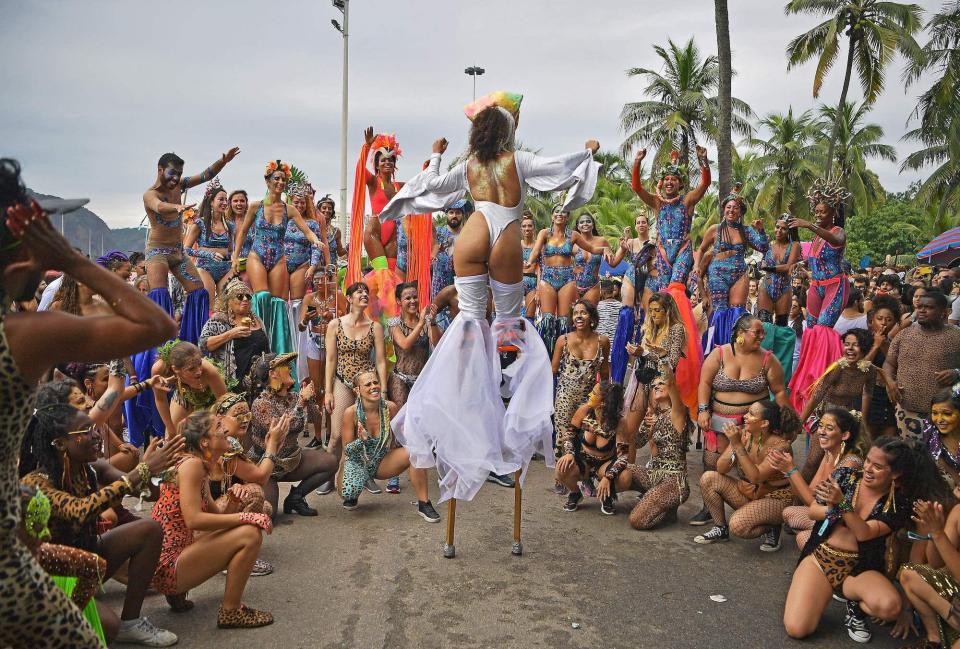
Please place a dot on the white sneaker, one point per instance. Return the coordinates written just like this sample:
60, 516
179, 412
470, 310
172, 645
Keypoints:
141, 631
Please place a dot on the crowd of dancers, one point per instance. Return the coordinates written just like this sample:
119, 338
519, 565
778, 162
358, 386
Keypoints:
254, 344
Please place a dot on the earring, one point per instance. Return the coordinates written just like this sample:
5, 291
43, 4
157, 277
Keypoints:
739, 340
274, 383
891, 497
843, 449
205, 452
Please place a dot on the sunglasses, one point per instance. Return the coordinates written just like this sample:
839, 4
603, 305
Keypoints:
244, 418
244, 297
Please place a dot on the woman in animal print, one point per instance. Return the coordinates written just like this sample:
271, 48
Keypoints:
33, 611
367, 447
60, 458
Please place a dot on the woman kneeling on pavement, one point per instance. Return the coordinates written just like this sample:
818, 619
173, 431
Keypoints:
226, 540
367, 446
855, 512
761, 493
594, 447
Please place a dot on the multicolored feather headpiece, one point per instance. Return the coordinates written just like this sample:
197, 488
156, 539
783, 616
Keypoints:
386, 145
509, 101
674, 168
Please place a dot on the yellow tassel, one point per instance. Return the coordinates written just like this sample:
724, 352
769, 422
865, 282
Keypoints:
891, 500
813, 387
843, 449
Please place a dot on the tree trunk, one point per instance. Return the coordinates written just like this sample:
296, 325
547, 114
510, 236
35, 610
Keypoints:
828, 170
724, 141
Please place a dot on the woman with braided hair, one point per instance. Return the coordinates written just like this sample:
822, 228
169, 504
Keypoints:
60, 458
208, 240
368, 451
33, 611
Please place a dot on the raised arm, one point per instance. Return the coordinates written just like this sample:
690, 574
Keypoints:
212, 170
579, 240
380, 351
137, 323
693, 196
756, 236
637, 184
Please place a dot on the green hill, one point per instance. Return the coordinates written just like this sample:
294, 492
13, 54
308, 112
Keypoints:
87, 231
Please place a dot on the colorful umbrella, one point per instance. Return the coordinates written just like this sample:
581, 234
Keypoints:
944, 248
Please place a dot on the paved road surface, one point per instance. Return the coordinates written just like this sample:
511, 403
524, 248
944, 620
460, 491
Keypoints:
375, 577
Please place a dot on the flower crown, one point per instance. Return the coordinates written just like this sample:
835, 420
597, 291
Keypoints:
213, 187
828, 192
275, 165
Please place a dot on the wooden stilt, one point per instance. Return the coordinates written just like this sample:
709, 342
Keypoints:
517, 502
449, 551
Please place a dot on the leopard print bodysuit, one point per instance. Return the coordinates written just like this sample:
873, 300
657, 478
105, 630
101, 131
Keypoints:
34, 612
575, 380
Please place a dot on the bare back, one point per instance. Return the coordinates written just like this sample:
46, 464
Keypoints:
496, 181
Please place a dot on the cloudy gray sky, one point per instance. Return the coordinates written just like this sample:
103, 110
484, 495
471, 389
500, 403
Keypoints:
97, 90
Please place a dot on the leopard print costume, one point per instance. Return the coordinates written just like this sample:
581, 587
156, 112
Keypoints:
575, 380
34, 612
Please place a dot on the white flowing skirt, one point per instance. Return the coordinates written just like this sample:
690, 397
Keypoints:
454, 418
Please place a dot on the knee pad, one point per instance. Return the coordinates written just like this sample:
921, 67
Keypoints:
472, 295
507, 299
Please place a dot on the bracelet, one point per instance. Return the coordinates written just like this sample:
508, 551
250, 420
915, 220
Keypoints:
127, 482
703, 407
845, 506
144, 470
790, 472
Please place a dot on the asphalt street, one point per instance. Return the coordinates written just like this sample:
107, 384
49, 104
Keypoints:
376, 577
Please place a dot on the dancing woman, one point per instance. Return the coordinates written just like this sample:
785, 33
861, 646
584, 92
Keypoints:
531, 270
587, 265
228, 541
634, 293
209, 238
239, 202
837, 437
488, 256
827, 294
594, 447
725, 245
783, 254
191, 383
297, 248
557, 289
36, 612
854, 513
662, 483
674, 214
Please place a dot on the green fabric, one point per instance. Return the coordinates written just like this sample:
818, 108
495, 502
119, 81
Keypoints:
379, 263
67, 584
780, 341
273, 311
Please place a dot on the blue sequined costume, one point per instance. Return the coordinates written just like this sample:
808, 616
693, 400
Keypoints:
674, 253
724, 273
776, 284
589, 276
204, 258
296, 246
268, 238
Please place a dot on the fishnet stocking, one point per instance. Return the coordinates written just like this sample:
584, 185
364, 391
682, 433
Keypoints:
656, 500
751, 518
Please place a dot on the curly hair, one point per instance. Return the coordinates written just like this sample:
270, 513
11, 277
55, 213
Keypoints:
258, 377
611, 393
864, 339
491, 134
887, 302
782, 420
51, 420
919, 478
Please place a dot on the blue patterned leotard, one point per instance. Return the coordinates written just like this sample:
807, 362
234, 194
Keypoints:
724, 273
296, 246
776, 284
268, 238
674, 255
590, 275
828, 290
205, 259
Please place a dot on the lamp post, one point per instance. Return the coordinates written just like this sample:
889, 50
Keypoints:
344, 7
474, 71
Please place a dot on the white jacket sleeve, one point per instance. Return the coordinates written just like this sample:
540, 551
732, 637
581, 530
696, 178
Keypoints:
428, 191
576, 172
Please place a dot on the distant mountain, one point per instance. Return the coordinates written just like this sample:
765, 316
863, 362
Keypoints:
87, 231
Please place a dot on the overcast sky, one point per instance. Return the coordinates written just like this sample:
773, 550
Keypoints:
97, 90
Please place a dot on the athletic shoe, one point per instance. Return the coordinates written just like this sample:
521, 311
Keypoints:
856, 622
372, 486
427, 512
607, 508
261, 568
503, 480
349, 504
771, 540
393, 486
702, 517
325, 488
141, 631
573, 501
717, 534
314, 443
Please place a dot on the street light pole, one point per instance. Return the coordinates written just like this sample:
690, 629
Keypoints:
344, 7
474, 71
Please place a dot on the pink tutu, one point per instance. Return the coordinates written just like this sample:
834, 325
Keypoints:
820, 347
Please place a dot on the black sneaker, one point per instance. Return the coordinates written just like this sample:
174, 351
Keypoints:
771, 540
350, 504
372, 486
325, 488
702, 517
717, 534
607, 508
314, 443
856, 622
427, 512
503, 480
573, 501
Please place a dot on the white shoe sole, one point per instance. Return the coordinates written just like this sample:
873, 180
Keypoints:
427, 518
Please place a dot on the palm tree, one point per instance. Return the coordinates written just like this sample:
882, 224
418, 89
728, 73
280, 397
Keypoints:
941, 189
724, 138
875, 31
706, 213
787, 161
855, 142
682, 109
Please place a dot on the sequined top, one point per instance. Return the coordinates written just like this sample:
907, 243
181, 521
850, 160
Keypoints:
825, 261
673, 220
563, 250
